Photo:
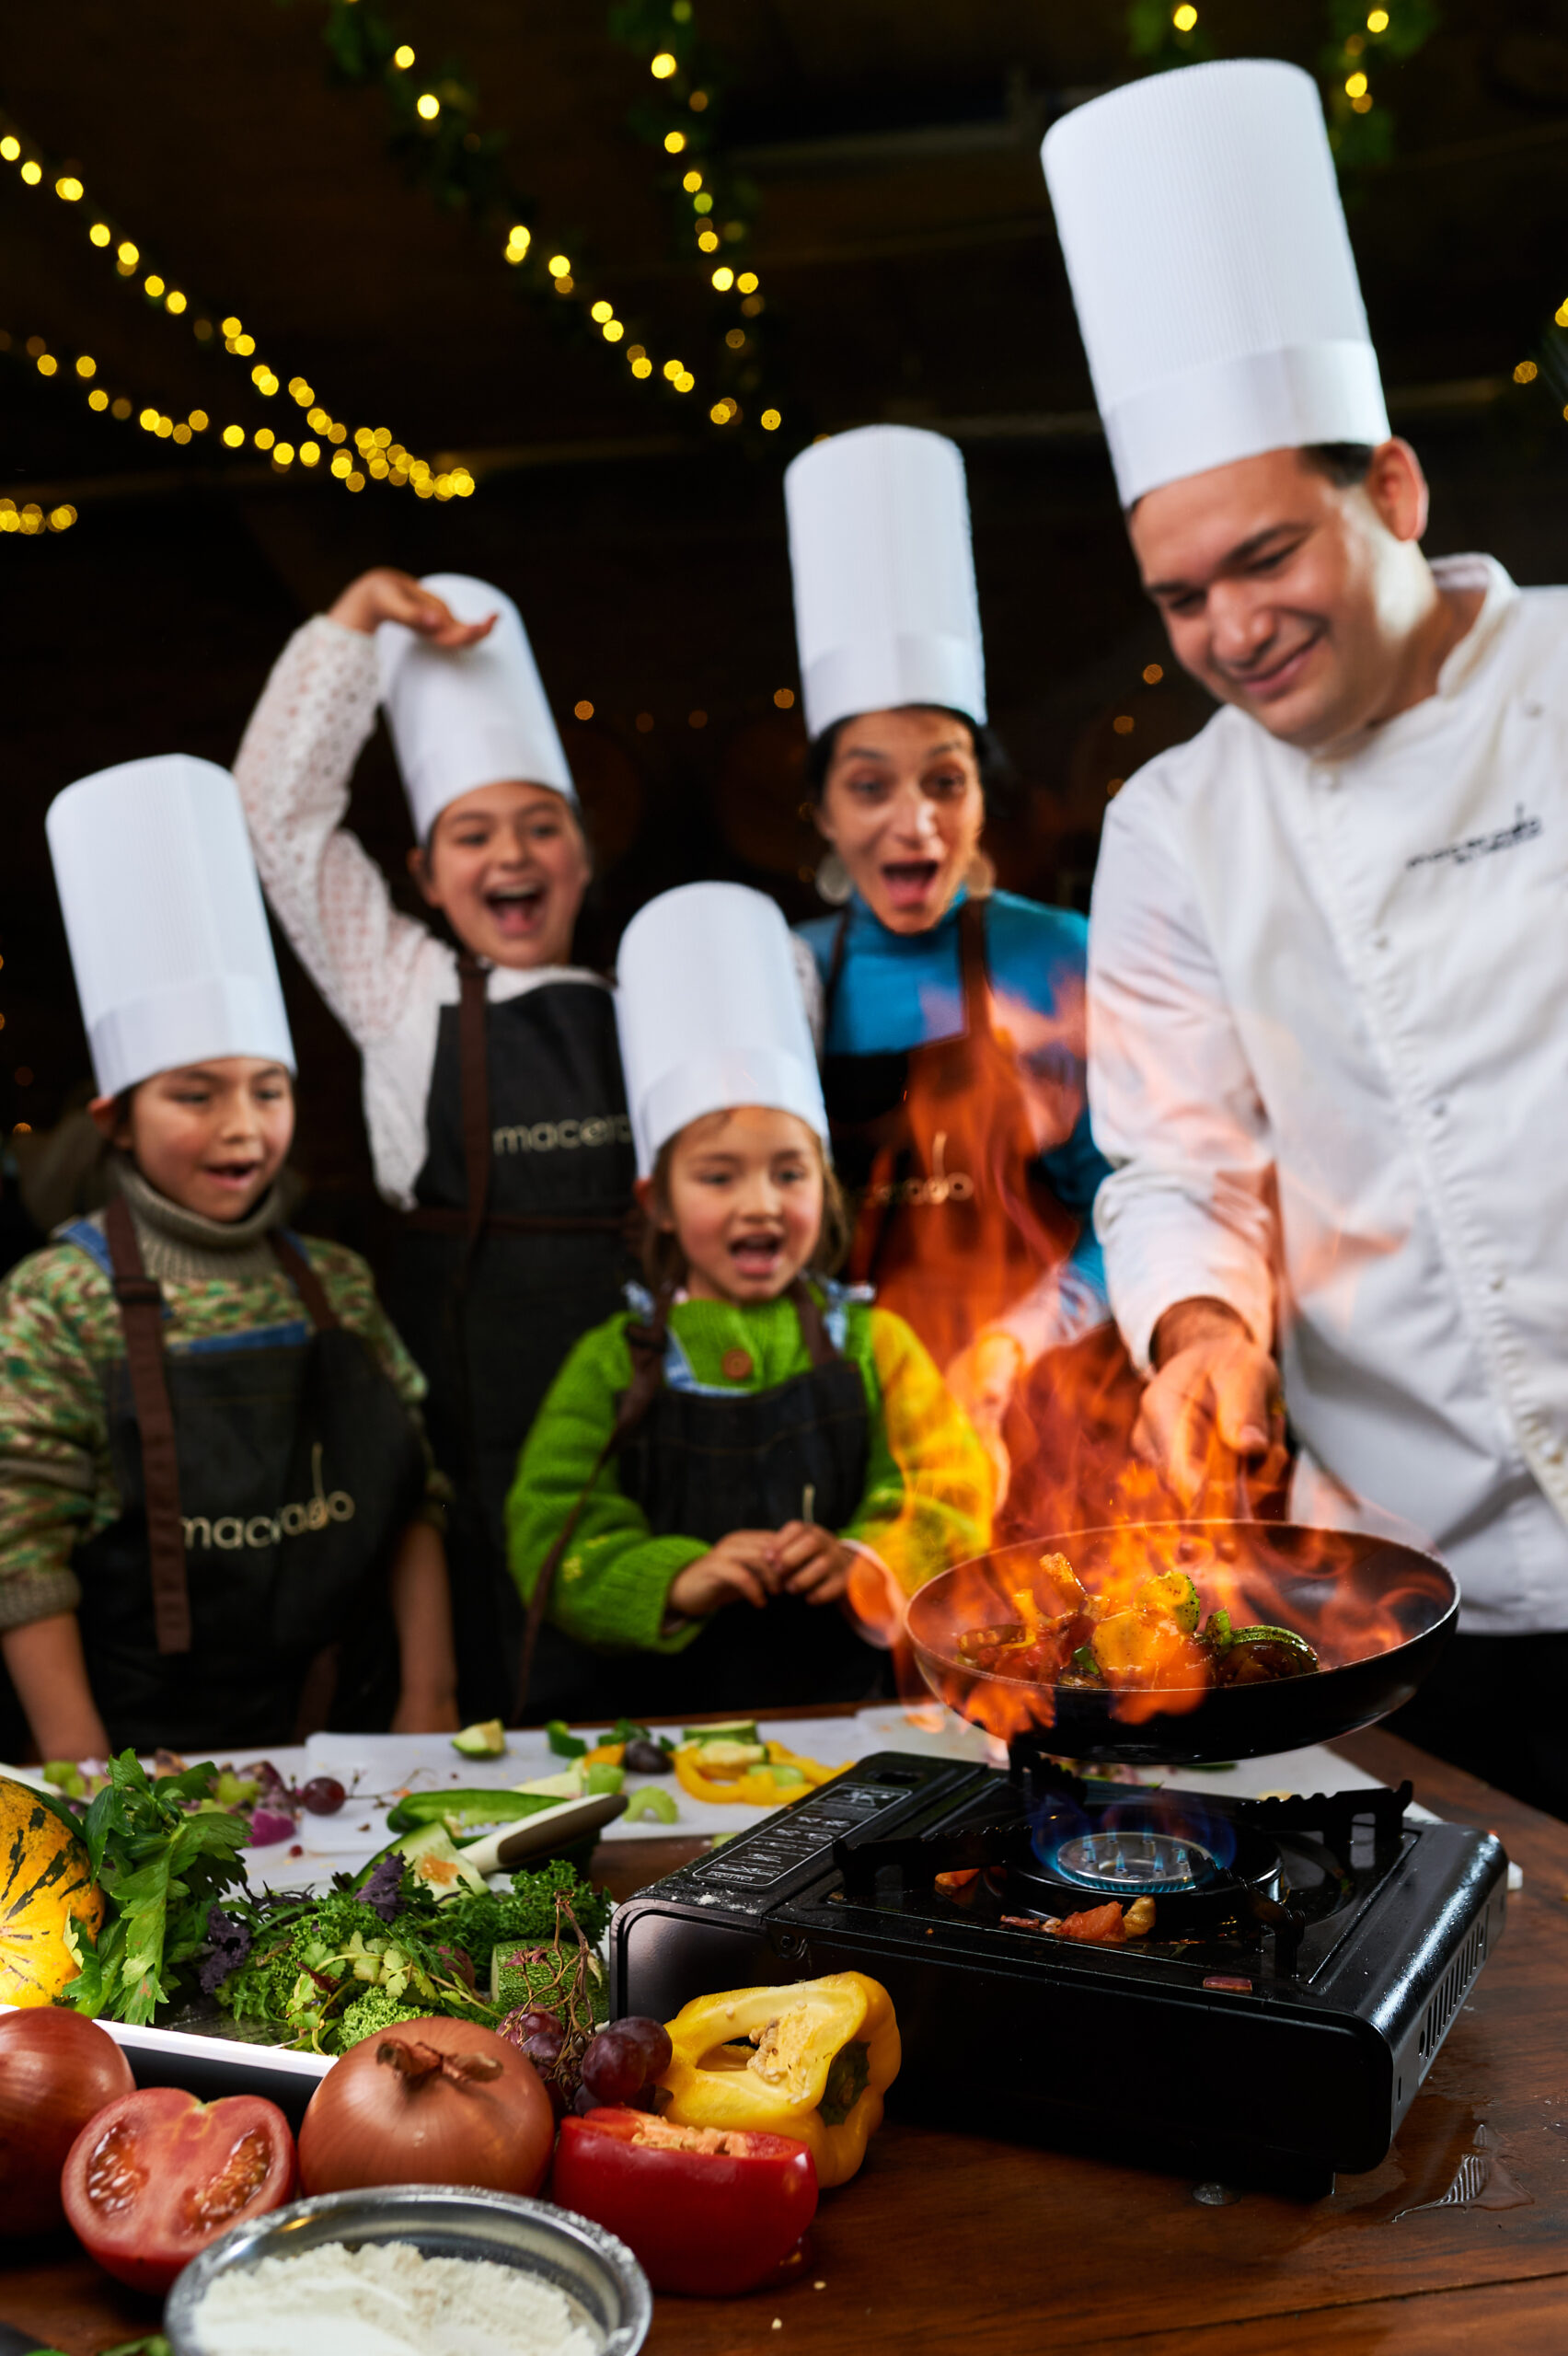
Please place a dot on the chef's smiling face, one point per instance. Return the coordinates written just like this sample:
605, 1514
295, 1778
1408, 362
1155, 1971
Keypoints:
211, 1137
1296, 599
742, 1192
508, 866
902, 806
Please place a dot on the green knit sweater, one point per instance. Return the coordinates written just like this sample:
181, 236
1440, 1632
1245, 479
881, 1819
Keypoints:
926, 1499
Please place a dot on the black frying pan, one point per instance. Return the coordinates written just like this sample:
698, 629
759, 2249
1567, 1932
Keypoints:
1376, 1614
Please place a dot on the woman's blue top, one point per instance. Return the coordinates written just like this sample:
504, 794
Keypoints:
898, 990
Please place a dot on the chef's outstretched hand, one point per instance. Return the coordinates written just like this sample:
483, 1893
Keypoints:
384, 596
1212, 1406
742, 1568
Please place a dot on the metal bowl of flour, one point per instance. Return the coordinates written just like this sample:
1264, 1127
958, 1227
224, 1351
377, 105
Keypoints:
602, 2282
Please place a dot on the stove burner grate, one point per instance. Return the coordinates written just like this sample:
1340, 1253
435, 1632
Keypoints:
1143, 1862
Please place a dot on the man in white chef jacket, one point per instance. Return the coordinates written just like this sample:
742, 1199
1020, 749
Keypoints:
1329, 942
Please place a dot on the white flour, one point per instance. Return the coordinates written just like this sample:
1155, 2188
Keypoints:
387, 2298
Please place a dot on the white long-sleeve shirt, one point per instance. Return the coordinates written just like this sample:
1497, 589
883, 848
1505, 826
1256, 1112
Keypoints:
384, 975
1329, 1056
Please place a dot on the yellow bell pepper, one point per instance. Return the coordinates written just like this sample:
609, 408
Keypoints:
826, 2050
757, 1785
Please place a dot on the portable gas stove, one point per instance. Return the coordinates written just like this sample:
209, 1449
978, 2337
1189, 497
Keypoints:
1307, 1958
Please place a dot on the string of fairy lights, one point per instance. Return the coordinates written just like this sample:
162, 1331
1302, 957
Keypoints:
681, 125
324, 444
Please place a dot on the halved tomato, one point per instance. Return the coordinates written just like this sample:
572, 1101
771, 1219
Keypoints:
156, 2176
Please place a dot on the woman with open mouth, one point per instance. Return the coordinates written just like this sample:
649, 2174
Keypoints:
950, 1015
492, 1086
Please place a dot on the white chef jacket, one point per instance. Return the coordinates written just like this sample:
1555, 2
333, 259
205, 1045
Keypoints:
1328, 1057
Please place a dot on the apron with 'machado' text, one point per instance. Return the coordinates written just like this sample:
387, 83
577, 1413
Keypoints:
240, 1597
517, 1247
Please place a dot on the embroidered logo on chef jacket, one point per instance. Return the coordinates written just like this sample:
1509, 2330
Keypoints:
1523, 830
231, 1531
564, 1136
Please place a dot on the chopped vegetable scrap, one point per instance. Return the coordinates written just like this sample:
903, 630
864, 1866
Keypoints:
723, 1765
826, 2051
1102, 1926
1150, 1640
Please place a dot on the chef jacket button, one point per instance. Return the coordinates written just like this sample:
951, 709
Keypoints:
1533, 710
735, 1365
1496, 1280
1438, 1107
1379, 941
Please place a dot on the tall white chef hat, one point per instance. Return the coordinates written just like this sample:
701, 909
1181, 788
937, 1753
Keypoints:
708, 1002
471, 716
163, 913
885, 606
1212, 272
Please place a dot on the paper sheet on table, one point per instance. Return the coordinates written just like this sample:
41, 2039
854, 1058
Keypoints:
376, 1768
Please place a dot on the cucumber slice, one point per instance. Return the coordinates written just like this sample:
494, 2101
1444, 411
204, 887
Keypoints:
726, 1730
436, 1860
717, 1757
485, 1741
567, 1785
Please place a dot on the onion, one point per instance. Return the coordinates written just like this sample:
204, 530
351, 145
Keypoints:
57, 2071
270, 1825
432, 2101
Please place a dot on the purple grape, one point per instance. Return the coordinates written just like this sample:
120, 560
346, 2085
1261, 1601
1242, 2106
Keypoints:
537, 2033
323, 1796
651, 2040
614, 2068
270, 1825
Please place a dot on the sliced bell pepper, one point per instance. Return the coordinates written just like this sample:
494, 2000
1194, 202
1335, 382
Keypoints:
756, 1786
706, 2210
826, 2050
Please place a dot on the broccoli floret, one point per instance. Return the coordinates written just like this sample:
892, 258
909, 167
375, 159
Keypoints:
376, 2009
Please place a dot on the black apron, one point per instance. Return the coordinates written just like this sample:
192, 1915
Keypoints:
517, 1248
700, 1466
240, 1599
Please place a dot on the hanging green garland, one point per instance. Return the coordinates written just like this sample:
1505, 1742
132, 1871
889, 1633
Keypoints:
1361, 38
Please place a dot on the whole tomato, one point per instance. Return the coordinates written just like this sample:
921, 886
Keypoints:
157, 2175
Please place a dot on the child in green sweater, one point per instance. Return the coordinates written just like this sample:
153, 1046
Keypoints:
717, 1478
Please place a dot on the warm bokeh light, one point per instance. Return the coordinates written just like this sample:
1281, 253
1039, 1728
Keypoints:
723, 278
675, 142
784, 698
87, 366
427, 106
661, 66
68, 188
770, 420
583, 711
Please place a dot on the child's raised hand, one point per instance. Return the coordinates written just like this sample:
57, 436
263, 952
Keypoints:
386, 596
743, 1566
813, 1562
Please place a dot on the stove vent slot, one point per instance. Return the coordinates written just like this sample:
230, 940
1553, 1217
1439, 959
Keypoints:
1451, 1993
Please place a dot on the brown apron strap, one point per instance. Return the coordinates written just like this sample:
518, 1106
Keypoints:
813, 1330
974, 969
473, 1080
141, 1315
647, 1345
306, 1282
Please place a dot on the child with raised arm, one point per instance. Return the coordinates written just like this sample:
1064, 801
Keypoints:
492, 1088
716, 1477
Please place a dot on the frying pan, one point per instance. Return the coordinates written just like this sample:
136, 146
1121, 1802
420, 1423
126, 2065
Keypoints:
1266, 1571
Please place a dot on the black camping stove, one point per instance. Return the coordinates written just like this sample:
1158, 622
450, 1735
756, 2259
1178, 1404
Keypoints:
1306, 1959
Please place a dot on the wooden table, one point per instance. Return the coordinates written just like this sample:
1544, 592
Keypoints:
960, 2246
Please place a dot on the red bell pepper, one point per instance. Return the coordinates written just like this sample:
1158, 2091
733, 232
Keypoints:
707, 2210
